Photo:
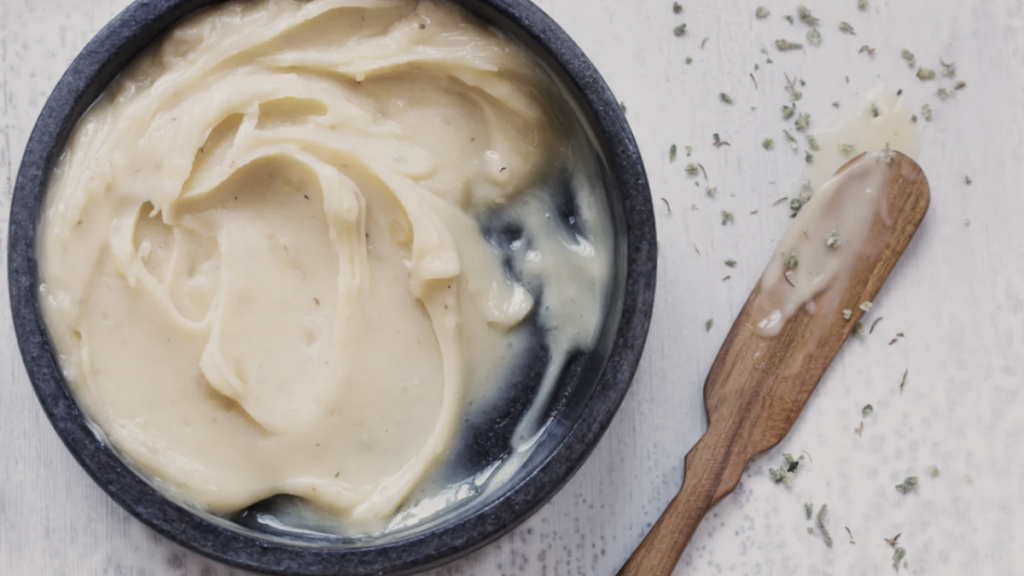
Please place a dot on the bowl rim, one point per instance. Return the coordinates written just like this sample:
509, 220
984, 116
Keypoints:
145, 20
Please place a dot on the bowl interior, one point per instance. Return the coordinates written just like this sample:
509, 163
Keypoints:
589, 390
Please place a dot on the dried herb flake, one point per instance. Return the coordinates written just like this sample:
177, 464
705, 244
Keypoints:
909, 57
908, 485
805, 15
784, 45
822, 515
803, 121
814, 37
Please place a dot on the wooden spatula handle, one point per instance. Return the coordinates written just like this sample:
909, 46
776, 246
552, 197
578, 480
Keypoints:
660, 550
713, 469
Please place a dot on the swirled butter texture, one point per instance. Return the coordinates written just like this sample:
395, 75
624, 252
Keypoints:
261, 255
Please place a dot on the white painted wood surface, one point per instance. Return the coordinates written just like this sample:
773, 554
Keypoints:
958, 297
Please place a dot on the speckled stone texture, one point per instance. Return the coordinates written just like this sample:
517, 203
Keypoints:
591, 390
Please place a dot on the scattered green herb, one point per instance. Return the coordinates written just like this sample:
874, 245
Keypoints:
822, 515
788, 111
808, 157
792, 463
810, 530
812, 143
717, 141
725, 97
948, 70
832, 240
809, 510
730, 263
803, 121
925, 73
835, 104
689, 60
672, 150
934, 471
790, 260
875, 112
677, 8
691, 169
622, 105
943, 93
784, 474
907, 486
784, 45
847, 28
711, 191
898, 557
727, 217
909, 57
689, 150
968, 181
805, 15
791, 139
860, 330
795, 205
708, 324
679, 30
867, 410
814, 37
806, 191
847, 149
788, 18
768, 143
762, 12
926, 111
862, 4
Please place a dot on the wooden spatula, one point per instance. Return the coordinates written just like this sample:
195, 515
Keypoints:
757, 386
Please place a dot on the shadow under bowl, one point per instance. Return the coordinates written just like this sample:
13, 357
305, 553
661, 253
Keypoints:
590, 389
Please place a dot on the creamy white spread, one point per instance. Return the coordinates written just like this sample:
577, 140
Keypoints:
832, 230
261, 256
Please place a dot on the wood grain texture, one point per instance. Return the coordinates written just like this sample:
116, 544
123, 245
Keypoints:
757, 386
958, 298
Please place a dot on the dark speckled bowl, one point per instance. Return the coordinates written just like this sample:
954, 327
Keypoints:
590, 389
